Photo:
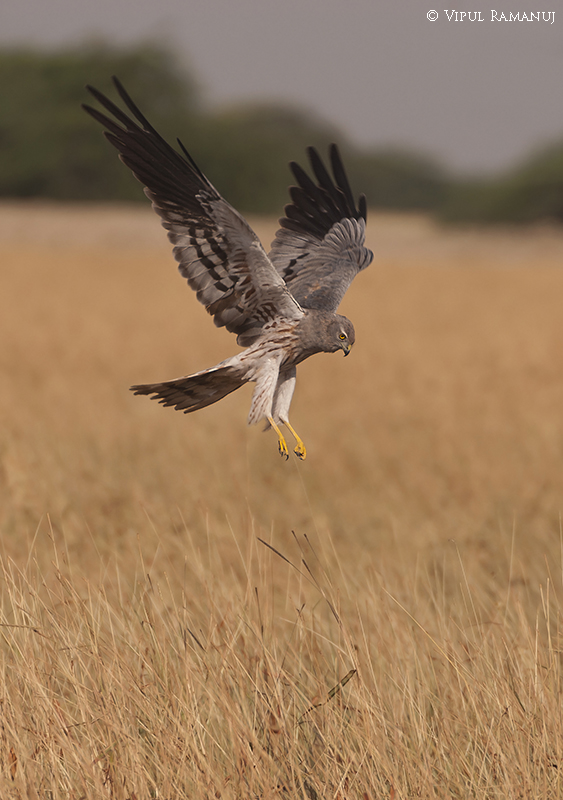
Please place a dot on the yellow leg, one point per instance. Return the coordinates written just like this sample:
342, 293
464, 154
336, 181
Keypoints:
300, 450
281, 441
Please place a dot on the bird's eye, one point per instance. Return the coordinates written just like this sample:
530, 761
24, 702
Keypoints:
342, 336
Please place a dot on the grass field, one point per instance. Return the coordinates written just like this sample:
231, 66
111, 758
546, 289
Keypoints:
153, 646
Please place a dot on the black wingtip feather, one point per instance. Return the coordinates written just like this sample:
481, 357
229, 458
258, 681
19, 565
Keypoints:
318, 206
169, 175
319, 196
190, 159
133, 108
103, 120
340, 176
332, 190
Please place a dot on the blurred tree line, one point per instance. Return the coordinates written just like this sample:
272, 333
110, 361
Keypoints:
533, 192
49, 148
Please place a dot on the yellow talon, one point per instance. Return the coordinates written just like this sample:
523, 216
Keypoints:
282, 445
299, 450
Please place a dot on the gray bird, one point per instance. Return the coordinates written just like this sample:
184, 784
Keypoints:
282, 306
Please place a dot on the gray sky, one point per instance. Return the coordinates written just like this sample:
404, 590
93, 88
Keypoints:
478, 95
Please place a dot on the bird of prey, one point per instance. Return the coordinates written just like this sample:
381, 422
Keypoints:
281, 305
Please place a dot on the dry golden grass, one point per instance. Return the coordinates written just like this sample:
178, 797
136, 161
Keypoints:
152, 646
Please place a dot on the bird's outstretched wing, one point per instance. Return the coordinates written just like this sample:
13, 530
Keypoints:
217, 251
319, 248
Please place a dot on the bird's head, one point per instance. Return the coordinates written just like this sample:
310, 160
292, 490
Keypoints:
343, 334
324, 332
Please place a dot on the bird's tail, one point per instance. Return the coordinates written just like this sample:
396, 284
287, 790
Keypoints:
194, 391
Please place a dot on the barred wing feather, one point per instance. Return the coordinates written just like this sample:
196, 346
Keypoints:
319, 247
216, 250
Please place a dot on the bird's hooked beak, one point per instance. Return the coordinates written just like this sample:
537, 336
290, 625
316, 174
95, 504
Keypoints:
346, 348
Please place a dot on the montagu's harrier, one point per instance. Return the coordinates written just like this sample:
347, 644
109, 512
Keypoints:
282, 306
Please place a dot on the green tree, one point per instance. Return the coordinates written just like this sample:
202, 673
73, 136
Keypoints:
246, 152
398, 180
49, 147
529, 193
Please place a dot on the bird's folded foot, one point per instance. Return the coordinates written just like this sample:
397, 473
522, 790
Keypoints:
282, 444
299, 450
